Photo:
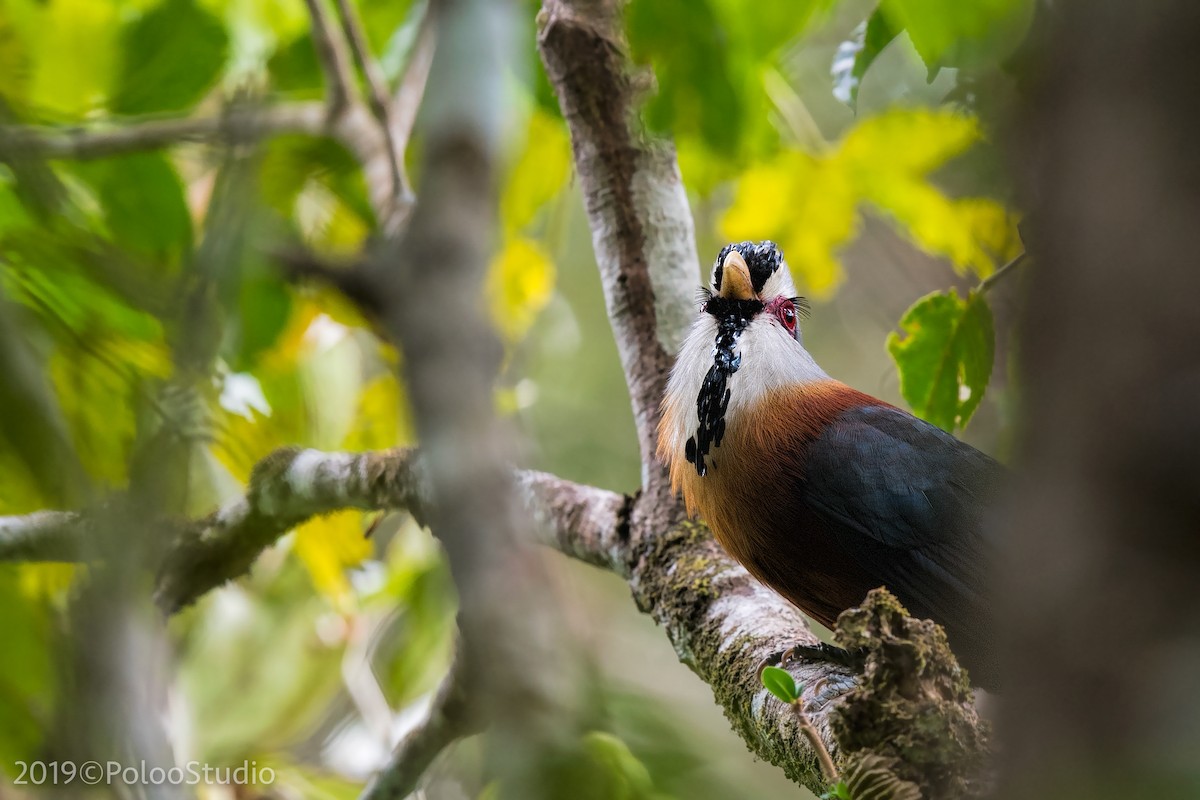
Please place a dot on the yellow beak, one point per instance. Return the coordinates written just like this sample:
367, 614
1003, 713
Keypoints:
735, 278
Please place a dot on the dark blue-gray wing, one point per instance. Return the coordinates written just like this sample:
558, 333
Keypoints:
907, 501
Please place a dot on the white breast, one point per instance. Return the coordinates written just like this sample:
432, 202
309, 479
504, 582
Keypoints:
771, 359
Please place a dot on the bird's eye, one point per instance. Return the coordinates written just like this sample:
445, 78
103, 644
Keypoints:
787, 315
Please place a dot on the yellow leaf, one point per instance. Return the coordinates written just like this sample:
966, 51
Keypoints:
972, 233
805, 203
383, 418
243, 443
329, 225
328, 546
47, 581
907, 141
98, 392
826, 218
809, 202
75, 55
765, 194
519, 282
538, 173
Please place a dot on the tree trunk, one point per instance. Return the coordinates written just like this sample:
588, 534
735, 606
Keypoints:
1104, 537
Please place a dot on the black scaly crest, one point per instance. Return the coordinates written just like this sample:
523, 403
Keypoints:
763, 259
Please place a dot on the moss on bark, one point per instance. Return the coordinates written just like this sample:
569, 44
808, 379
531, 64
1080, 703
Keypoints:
914, 705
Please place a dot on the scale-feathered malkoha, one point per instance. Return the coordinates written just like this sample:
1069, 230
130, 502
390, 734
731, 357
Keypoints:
821, 491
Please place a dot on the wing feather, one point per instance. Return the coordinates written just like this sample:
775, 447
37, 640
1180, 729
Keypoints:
907, 501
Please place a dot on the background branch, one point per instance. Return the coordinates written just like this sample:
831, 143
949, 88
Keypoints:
411, 90
42, 536
449, 720
335, 61
508, 637
1109, 494
377, 92
240, 124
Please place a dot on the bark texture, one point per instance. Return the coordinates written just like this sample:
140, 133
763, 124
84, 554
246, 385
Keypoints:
641, 227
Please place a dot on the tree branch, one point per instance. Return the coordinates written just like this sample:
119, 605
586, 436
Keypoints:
720, 620
335, 62
411, 91
583, 522
376, 147
239, 124
41, 536
641, 226
377, 92
991, 280
449, 720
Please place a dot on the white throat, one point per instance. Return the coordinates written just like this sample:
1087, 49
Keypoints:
770, 359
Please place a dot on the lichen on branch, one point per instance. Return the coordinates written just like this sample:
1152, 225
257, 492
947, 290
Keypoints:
913, 712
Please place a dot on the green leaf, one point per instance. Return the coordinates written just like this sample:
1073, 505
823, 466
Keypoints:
54, 276
396, 51
839, 791
14, 62
763, 28
71, 53
12, 212
171, 56
383, 20
292, 163
694, 63
294, 69
264, 308
855, 55
143, 202
626, 775
950, 33
780, 683
26, 671
945, 357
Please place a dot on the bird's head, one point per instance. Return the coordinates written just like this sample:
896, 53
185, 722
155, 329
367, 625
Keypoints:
750, 282
744, 343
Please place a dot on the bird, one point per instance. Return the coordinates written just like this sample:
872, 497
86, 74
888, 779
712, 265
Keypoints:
821, 491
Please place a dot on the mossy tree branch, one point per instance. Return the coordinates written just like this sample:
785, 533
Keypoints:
721, 622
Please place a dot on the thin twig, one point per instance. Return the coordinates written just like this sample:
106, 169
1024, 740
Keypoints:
377, 91
991, 280
828, 770
335, 63
411, 91
450, 718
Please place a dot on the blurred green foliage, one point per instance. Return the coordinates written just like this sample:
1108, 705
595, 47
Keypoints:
129, 281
